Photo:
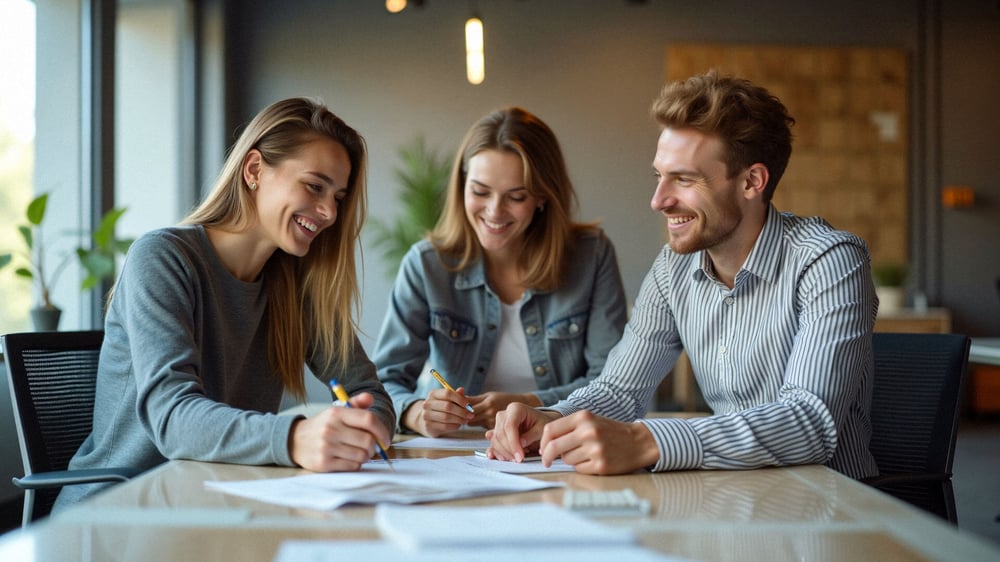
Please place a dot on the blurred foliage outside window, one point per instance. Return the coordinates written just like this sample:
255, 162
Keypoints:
17, 151
16, 164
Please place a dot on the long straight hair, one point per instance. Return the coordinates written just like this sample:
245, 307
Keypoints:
312, 301
549, 239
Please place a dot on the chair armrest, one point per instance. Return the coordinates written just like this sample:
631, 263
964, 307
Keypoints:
57, 478
906, 478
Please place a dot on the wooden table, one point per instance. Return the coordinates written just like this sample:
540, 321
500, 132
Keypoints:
798, 513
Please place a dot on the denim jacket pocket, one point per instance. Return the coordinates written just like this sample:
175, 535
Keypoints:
452, 329
567, 328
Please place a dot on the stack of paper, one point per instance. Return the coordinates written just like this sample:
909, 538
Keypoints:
413, 481
339, 551
541, 532
525, 525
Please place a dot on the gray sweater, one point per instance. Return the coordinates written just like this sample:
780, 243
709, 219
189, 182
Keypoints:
183, 371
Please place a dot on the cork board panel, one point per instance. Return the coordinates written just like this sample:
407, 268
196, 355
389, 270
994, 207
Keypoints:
851, 140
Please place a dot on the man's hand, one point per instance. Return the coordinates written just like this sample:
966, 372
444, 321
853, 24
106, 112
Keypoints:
488, 404
337, 439
518, 428
441, 412
597, 445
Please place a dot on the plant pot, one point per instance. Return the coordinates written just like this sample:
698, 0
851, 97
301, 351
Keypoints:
890, 299
45, 319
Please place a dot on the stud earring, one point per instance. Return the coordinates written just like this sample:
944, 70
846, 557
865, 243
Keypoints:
253, 186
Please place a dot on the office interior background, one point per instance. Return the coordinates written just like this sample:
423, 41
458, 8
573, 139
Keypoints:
137, 101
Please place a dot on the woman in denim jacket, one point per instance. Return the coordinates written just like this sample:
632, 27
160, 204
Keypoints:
508, 298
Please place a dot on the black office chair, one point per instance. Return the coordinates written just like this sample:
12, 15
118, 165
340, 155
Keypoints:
915, 406
52, 378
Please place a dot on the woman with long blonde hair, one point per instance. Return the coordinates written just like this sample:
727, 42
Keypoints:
508, 298
212, 320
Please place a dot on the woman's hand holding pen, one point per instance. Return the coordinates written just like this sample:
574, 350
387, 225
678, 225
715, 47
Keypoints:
441, 412
338, 439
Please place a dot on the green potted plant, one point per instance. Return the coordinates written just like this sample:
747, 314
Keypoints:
889, 277
423, 176
98, 260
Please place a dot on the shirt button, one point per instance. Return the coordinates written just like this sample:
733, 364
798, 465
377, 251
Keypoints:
730, 300
722, 349
574, 328
454, 334
531, 330
540, 370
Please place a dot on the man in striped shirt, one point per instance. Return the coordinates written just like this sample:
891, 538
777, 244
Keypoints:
774, 310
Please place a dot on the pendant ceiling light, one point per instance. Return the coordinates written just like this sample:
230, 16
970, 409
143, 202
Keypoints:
475, 61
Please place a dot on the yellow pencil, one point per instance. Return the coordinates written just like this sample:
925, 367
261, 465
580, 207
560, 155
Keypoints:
445, 384
341, 395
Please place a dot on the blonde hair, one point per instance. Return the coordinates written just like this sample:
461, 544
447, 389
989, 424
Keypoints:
311, 301
549, 239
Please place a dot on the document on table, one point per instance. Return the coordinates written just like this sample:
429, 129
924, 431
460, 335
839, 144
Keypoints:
413, 481
526, 467
442, 443
479, 534
525, 525
338, 551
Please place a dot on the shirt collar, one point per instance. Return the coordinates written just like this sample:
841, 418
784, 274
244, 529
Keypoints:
472, 276
764, 258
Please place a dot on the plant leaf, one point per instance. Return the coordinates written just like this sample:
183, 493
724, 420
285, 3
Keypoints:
423, 178
29, 238
36, 209
99, 266
4, 260
105, 234
121, 246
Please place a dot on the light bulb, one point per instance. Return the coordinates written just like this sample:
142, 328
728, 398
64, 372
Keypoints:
395, 6
475, 61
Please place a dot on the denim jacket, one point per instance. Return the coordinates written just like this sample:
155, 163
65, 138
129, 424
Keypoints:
450, 321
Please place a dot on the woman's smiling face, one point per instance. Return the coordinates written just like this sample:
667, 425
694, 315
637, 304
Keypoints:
497, 203
299, 197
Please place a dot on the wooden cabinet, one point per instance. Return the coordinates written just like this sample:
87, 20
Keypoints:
928, 321
984, 376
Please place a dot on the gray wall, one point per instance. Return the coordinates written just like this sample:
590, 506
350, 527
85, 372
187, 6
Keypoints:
590, 69
970, 155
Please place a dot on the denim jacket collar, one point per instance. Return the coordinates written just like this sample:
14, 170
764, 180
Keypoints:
475, 276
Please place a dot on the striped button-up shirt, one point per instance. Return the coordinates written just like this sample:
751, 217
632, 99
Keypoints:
783, 359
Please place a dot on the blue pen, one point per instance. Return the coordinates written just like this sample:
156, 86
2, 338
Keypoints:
342, 396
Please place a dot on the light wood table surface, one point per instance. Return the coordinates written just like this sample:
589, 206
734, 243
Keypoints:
798, 513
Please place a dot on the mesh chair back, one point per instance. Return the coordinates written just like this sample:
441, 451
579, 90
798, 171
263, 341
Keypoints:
918, 382
52, 378
918, 379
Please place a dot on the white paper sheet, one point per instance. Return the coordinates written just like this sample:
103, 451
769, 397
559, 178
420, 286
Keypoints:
526, 467
377, 551
442, 443
413, 481
524, 525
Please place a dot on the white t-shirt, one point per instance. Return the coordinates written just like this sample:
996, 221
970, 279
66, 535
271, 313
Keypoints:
510, 367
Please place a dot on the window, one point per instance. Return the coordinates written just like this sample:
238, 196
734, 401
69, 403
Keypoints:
17, 133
